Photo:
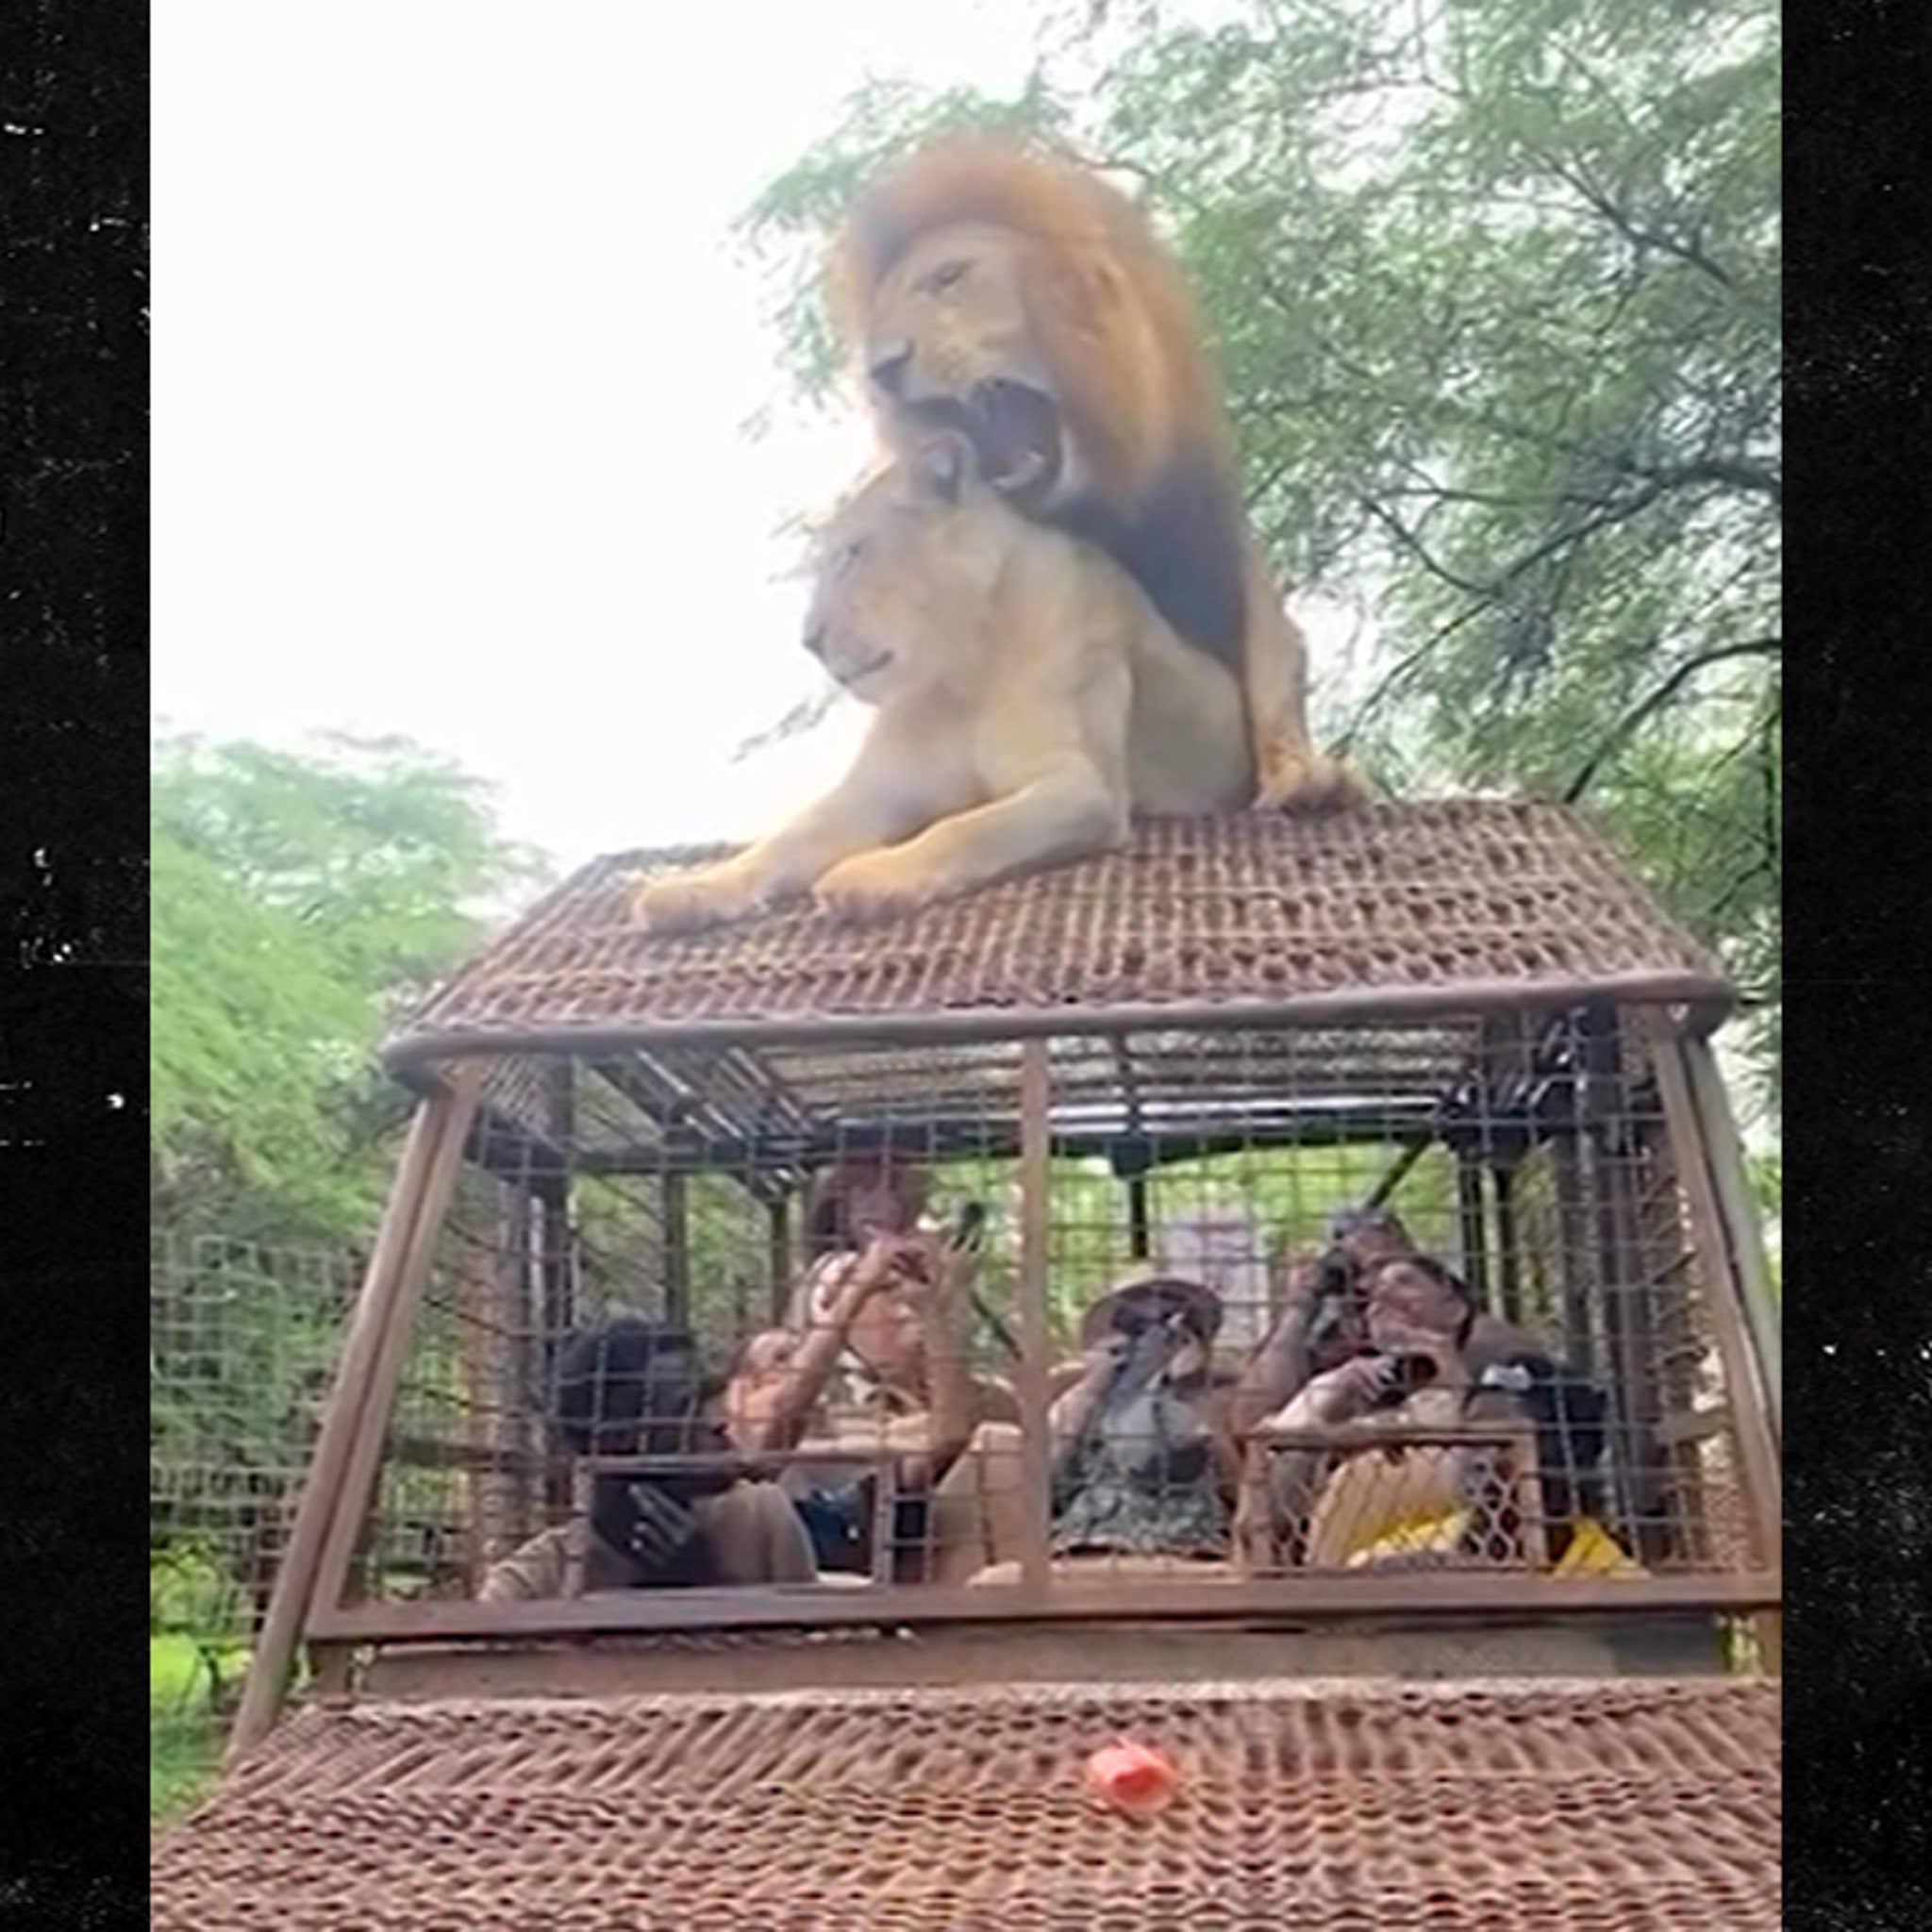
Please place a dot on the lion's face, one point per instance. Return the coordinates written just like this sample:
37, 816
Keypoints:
904, 571
951, 343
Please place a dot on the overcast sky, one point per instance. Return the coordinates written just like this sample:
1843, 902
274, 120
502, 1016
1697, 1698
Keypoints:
454, 360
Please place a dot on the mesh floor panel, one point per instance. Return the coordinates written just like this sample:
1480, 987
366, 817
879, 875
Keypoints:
1512, 1807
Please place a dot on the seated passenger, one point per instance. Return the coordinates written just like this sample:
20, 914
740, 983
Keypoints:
1140, 1464
1323, 1319
1411, 1346
875, 1358
631, 1386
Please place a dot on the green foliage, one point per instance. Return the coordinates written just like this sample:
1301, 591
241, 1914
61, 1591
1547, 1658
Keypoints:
297, 901
1493, 285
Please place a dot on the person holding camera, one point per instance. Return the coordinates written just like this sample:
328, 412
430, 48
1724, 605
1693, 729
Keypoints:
633, 1386
874, 1358
1372, 1326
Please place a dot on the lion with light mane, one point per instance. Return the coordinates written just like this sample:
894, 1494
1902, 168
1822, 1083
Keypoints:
1026, 304
1028, 698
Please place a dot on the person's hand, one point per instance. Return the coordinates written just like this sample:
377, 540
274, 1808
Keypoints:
663, 1528
1301, 1284
931, 1276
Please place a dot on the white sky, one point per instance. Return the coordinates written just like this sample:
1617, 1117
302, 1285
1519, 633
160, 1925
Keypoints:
451, 344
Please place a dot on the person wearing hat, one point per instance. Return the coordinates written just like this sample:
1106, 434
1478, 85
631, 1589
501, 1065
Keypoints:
1140, 1466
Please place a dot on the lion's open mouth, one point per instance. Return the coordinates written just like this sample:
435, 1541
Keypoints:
1014, 429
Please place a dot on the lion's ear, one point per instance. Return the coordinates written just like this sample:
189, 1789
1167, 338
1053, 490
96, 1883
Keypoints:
945, 467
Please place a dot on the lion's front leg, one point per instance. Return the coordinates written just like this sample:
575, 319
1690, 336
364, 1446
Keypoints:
1066, 815
872, 805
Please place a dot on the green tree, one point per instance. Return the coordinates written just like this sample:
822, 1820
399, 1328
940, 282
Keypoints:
299, 901
1493, 285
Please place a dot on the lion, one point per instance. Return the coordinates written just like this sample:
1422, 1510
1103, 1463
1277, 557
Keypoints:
1029, 699
1028, 304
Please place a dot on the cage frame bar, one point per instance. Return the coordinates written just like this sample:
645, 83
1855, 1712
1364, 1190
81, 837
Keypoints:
438, 1123
362, 1465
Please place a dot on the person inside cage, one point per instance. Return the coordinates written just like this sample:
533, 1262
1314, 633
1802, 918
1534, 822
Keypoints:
1374, 1326
874, 1360
634, 1386
1141, 1464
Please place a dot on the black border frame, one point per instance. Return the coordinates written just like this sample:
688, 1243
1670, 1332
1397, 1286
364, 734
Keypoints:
74, 573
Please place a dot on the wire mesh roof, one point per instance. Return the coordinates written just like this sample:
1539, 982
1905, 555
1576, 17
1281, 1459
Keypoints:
1513, 1808
1251, 976
1476, 903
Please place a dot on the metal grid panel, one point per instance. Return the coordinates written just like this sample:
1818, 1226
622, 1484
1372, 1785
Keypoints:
1506, 1807
1529, 1157
1495, 898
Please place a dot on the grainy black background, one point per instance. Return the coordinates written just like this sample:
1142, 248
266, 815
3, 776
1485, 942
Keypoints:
1858, 1155
73, 957
1859, 870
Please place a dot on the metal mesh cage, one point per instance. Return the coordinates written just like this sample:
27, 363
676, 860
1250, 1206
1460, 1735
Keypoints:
1514, 1372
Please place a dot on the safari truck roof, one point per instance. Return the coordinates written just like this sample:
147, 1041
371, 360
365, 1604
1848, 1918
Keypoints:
1358, 1808
1271, 973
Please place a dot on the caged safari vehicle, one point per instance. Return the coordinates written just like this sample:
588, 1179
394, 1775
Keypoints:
1477, 1631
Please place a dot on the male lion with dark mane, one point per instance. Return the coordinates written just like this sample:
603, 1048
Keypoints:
1028, 304
1029, 697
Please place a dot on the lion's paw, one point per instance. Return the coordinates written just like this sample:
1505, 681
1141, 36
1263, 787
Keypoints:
872, 885
689, 902
1300, 779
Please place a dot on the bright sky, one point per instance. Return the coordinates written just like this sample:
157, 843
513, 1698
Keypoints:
454, 362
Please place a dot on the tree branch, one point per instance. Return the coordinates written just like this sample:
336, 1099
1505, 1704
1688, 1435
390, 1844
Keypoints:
1655, 699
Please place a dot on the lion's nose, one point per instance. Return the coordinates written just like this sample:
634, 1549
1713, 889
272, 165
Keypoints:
815, 641
888, 367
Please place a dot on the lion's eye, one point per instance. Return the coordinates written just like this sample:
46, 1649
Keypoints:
845, 557
948, 274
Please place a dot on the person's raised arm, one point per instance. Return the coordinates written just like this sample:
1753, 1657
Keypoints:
782, 1421
1280, 1366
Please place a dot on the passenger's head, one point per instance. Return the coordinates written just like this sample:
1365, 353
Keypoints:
1190, 1309
863, 1195
631, 1385
1415, 1296
889, 1340
1368, 1235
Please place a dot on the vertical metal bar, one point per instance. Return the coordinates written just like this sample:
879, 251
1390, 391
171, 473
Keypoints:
364, 1456
1566, 1178
1725, 1150
556, 1309
1750, 1401
577, 1531
1603, 1112
1508, 1243
1036, 1225
1140, 1242
673, 1192
520, 1378
778, 1214
1469, 1203
281, 1629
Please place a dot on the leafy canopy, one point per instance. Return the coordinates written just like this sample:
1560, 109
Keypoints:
298, 901
1493, 285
